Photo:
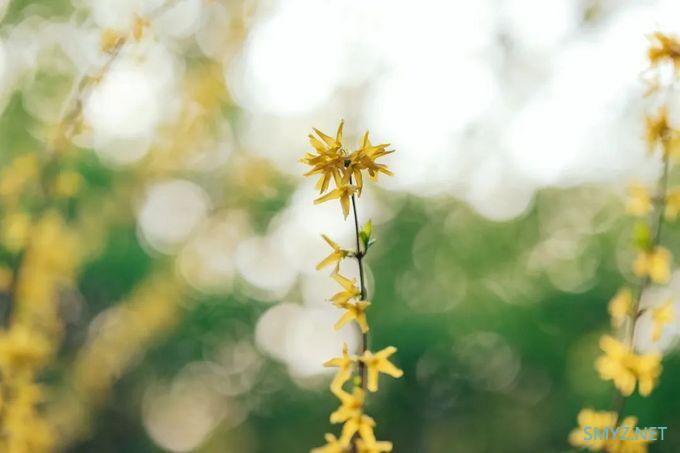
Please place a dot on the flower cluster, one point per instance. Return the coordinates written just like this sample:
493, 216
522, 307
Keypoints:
356, 373
621, 363
589, 419
333, 162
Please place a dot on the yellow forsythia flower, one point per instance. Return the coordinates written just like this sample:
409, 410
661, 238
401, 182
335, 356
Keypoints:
632, 444
654, 264
15, 176
334, 163
364, 159
591, 419
362, 424
350, 290
354, 311
664, 47
378, 363
639, 200
657, 129
662, 315
139, 26
21, 348
343, 193
68, 183
110, 40
333, 445
620, 306
16, 227
351, 405
625, 368
344, 365
337, 255
672, 204
373, 446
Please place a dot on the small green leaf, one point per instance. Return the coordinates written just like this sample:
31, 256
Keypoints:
368, 228
365, 235
642, 236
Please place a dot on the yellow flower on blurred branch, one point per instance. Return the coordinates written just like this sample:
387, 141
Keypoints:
625, 368
354, 311
139, 26
111, 40
654, 264
20, 172
620, 306
333, 445
664, 48
632, 443
337, 255
597, 431
67, 183
672, 204
639, 200
343, 193
360, 423
344, 365
351, 405
378, 363
590, 419
349, 290
21, 349
661, 316
334, 163
373, 446
16, 227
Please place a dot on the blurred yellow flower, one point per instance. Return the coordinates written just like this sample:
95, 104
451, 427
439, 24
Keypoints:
67, 183
337, 255
351, 405
633, 443
22, 348
17, 174
373, 446
111, 40
662, 315
654, 264
588, 418
344, 365
354, 311
672, 204
378, 363
664, 47
363, 424
15, 230
620, 306
139, 26
622, 366
333, 445
343, 193
349, 290
639, 200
